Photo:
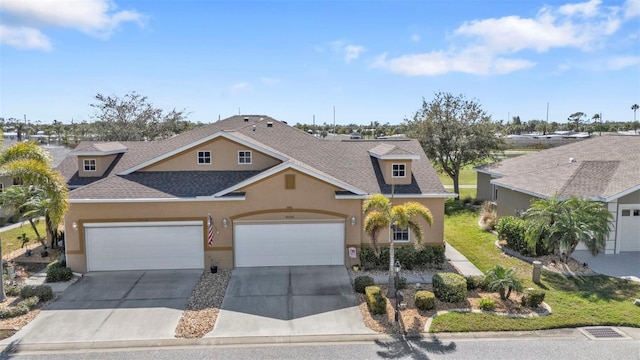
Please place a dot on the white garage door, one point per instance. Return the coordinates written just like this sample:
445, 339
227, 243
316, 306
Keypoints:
269, 244
629, 223
144, 245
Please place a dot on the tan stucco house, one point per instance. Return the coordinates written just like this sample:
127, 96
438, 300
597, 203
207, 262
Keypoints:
605, 169
276, 195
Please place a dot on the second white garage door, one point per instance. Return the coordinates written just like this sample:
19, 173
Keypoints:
292, 244
144, 245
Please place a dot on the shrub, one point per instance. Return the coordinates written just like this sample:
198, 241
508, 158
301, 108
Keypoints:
54, 264
12, 290
21, 308
428, 256
449, 287
43, 292
425, 300
361, 283
376, 301
503, 281
533, 298
475, 282
58, 273
487, 304
512, 230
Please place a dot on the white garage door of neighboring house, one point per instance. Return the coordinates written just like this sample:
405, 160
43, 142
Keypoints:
144, 245
291, 244
629, 223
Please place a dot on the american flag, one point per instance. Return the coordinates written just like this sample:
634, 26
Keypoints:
210, 234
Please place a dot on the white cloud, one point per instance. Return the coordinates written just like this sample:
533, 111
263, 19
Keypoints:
349, 51
621, 62
631, 9
487, 46
95, 17
415, 38
24, 38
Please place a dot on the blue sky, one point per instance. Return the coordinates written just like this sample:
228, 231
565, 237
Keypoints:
372, 60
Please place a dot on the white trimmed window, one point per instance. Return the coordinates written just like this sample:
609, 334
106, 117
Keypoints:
244, 157
400, 235
89, 164
204, 157
398, 170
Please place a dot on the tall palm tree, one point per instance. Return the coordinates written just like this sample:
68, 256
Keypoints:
635, 108
382, 214
563, 224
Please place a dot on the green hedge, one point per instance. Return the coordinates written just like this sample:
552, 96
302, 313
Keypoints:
512, 230
425, 300
361, 283
21, 308
410, 258
533, 298
376, 300
449, 287
58, 273
43, 292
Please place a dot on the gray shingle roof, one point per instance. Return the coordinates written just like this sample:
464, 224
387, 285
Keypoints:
602, 167
347, 162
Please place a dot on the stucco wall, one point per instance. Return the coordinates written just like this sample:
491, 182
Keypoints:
266, 200
510, 202
484, 187
633, 198
224, 156
102, 164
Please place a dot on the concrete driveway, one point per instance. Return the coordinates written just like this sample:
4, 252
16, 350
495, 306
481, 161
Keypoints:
114, 306
624, 265
284, 301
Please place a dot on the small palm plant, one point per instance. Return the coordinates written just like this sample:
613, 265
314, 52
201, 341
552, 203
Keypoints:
504, 281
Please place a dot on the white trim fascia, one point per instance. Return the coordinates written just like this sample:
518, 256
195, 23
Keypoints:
285, 166
97, 153
223, 134
400, 196
623, 193
497, 175
141, 224
155, 200
395, 156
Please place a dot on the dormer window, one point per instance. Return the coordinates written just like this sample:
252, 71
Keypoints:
244, 157
398, 170
89, 164
204, 157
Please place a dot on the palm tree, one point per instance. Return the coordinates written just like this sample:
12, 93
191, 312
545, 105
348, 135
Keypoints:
563, 224
635, 108
504, 281
30, 164
382, 214
20, 200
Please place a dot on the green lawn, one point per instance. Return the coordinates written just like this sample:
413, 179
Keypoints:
467, 177
10, 240
575, 301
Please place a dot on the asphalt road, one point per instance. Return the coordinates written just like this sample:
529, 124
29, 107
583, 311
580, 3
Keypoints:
489, 349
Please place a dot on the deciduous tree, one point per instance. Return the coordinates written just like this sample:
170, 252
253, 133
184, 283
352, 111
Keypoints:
455, 132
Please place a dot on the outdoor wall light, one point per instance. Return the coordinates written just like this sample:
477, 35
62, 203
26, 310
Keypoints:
225, 223
74, 225
353, 221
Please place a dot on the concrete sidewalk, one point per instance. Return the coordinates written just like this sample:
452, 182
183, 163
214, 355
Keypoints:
460, 262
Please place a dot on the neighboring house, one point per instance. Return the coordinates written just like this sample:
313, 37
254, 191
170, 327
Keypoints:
605, 169
277, 196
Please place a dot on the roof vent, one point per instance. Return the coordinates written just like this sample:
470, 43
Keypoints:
572, 160
269, 124
246, 119
254, 127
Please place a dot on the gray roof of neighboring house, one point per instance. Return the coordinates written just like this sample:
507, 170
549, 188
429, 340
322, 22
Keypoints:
602, 167
347, 162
